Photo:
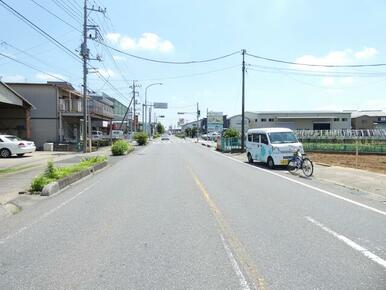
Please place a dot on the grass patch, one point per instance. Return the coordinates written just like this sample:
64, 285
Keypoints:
53, 173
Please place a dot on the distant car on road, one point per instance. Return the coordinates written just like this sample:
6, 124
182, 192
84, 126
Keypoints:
117, 134
96, 135
165, 137
11, 145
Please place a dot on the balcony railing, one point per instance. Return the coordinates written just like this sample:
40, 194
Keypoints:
100, 109
70, 106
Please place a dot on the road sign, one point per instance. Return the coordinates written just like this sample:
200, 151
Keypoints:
215, 122
160, 105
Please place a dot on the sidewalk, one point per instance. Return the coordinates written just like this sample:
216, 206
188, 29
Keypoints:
371, 183
12, 183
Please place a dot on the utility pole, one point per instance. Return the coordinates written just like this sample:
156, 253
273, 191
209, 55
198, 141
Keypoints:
85, 53
133, 87
243, 102
198, 116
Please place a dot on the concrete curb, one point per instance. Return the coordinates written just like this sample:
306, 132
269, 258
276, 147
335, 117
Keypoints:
56, 186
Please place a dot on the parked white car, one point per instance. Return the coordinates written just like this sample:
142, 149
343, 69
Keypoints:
273, 146
13, 145
117, 134
96, 135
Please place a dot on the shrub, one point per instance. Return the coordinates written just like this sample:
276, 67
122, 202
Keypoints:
50, 171
231, 133
39, 182
141, 138
156, 135
120, 147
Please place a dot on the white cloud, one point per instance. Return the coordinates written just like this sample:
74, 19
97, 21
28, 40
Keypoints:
339, 57
51, 77
107, 73
119, 58
113, 37
13, 79
367, 52
147, 41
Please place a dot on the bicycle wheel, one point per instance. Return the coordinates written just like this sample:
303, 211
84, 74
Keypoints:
292, 167
308, 167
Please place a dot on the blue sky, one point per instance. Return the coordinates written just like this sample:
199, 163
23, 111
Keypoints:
322, 32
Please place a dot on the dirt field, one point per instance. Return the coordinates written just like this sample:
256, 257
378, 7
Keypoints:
375, 163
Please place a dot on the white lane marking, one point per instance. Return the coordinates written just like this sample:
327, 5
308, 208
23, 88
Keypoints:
48, 213
243, 282
307, 185
350, 243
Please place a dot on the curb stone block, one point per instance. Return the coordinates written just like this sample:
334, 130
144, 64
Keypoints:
50, 189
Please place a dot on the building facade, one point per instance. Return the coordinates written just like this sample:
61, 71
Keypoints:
374, 119
58, 117
15, 113
296, 120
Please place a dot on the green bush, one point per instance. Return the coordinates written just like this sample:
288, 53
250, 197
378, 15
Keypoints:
39, 182
231, 133
156, 135
140, 137
120, 147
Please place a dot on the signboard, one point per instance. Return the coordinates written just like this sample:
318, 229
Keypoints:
160, 105
215, 122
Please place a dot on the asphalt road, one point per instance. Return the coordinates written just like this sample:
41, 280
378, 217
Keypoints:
176, 215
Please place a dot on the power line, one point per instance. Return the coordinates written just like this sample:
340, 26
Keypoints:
316, 73
32, 67
69, 11
53, 14
41, 31
315, 65
168, 62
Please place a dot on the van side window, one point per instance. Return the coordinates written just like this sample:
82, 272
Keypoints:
250, 137
255, 137
264, 139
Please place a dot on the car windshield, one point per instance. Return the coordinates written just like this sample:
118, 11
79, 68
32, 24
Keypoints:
13, 138
282, 137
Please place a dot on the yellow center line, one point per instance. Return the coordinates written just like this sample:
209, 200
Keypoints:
238, 249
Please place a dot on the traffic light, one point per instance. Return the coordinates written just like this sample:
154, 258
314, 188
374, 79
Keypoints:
198, 113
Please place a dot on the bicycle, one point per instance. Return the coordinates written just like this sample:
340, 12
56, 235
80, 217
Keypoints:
298, 161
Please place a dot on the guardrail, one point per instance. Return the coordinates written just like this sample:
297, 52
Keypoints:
375, 134
230, 144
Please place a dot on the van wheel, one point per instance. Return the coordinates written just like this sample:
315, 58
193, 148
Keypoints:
270, 163
4, 153
250, 159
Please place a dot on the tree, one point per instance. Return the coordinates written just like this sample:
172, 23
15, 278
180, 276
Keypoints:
231, 133
160, 128
188, 132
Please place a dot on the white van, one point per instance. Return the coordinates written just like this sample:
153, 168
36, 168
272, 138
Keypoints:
117, 134
274, 146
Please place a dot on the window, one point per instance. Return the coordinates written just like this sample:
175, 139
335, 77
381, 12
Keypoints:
271, 120
336, 119
255, 120
264, 139
255, 137
381, 118
282, 137
1, 140
344, 119
250, 137
263, 120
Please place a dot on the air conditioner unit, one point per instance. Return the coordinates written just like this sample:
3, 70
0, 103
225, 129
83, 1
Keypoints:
62, 105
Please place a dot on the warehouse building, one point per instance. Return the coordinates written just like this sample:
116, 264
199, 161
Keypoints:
296, 120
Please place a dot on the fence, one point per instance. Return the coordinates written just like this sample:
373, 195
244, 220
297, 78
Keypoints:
376, 134
345, 148
230, 144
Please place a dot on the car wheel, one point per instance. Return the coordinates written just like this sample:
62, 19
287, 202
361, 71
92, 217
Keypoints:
250, 159
20, 154
270, 163
4, 153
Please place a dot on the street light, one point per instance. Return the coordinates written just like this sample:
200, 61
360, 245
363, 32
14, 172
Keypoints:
153, 84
